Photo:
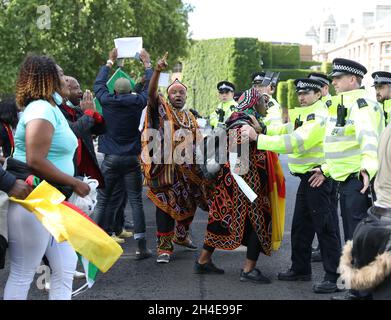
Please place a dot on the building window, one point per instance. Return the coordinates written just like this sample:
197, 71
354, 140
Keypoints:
387, 48
387, 68
329, 35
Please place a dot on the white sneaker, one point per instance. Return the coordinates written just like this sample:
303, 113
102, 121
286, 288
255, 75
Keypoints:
163, 258
79, 275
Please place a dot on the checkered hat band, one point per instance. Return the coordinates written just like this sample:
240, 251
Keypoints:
225, 87
382, 79
305, 85
339, 67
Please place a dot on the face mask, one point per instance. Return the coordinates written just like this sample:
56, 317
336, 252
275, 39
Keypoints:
70, 104
57, 98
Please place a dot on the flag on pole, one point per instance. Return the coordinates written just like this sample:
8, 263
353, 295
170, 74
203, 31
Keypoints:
276, 187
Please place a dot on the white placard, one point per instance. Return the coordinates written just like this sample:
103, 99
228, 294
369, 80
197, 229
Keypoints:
164, 80
128, 47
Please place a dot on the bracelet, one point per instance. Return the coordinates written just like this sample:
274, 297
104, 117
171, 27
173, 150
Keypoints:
110, 61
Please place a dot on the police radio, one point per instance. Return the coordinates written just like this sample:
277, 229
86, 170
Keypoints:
298, 123
342, 113
221, 114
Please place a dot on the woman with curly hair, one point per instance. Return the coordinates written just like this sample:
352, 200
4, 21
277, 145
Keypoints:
44, 141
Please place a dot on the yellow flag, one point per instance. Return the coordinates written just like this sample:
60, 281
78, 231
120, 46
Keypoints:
66, 224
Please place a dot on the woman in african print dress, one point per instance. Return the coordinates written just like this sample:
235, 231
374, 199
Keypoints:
176, 189
233, 219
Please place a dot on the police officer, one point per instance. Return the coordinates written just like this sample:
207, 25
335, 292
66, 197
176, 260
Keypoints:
273, 119
352, 134
325, 81
312, 210
327, 99
226, 106
382, 84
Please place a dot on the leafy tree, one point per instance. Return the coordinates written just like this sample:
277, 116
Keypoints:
81, 33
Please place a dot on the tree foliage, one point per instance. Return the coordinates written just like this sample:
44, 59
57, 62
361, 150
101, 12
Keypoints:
81, 32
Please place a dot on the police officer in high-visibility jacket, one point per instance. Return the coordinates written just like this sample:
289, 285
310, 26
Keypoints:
274, 114
352, 134
328, 100
226, 106
312, 210
382, 84
325, 81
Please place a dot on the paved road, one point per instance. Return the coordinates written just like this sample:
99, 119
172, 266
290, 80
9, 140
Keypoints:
146, 280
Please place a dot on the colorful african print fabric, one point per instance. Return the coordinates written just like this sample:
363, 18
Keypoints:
185, 187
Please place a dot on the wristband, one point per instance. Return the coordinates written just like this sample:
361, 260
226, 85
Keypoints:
110, 61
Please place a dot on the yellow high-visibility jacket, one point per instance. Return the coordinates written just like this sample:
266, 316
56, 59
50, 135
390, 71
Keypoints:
353, 147
305, 144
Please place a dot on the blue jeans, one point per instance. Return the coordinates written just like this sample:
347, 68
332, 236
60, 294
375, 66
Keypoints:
120, 172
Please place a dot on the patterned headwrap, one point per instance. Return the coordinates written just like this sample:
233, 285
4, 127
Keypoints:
249, 99
176, 85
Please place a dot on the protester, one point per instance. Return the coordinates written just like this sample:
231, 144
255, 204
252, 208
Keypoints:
176, 189
234, 219
43, 141
121, 145
85, 123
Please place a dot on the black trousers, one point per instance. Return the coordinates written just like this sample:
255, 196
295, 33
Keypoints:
250, 240
313, 214
354, 205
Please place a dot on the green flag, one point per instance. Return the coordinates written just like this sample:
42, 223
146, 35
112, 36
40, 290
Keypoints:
119, 73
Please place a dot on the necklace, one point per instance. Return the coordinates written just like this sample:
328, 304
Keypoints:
181, 124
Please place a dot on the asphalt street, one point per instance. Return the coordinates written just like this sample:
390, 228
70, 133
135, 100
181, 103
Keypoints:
146, 280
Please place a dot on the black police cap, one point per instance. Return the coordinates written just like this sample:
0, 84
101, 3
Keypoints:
306, 84
321, 77
226, 86
345, 66
258, 77
381, 77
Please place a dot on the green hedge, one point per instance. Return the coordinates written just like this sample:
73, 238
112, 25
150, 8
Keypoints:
286, 74
246, 61
293, 101
266, 54
235, 59
208, 62
282, 93
309, 64
286, 56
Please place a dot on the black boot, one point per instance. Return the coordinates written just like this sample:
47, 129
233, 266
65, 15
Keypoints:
142, 252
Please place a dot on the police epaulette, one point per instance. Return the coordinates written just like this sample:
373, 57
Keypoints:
362, 103
329, 103
311, 117
270, 104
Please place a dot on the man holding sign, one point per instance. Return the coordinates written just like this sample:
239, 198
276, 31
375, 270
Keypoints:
122, 146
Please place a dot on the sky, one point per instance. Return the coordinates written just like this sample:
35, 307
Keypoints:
271, 20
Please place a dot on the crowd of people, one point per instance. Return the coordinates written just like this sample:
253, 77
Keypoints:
338, 146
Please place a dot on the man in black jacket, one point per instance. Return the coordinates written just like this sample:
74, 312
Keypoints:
122, 146
85, 123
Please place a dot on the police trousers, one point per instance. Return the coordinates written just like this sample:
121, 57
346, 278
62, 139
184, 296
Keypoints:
313, 214
354, 205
